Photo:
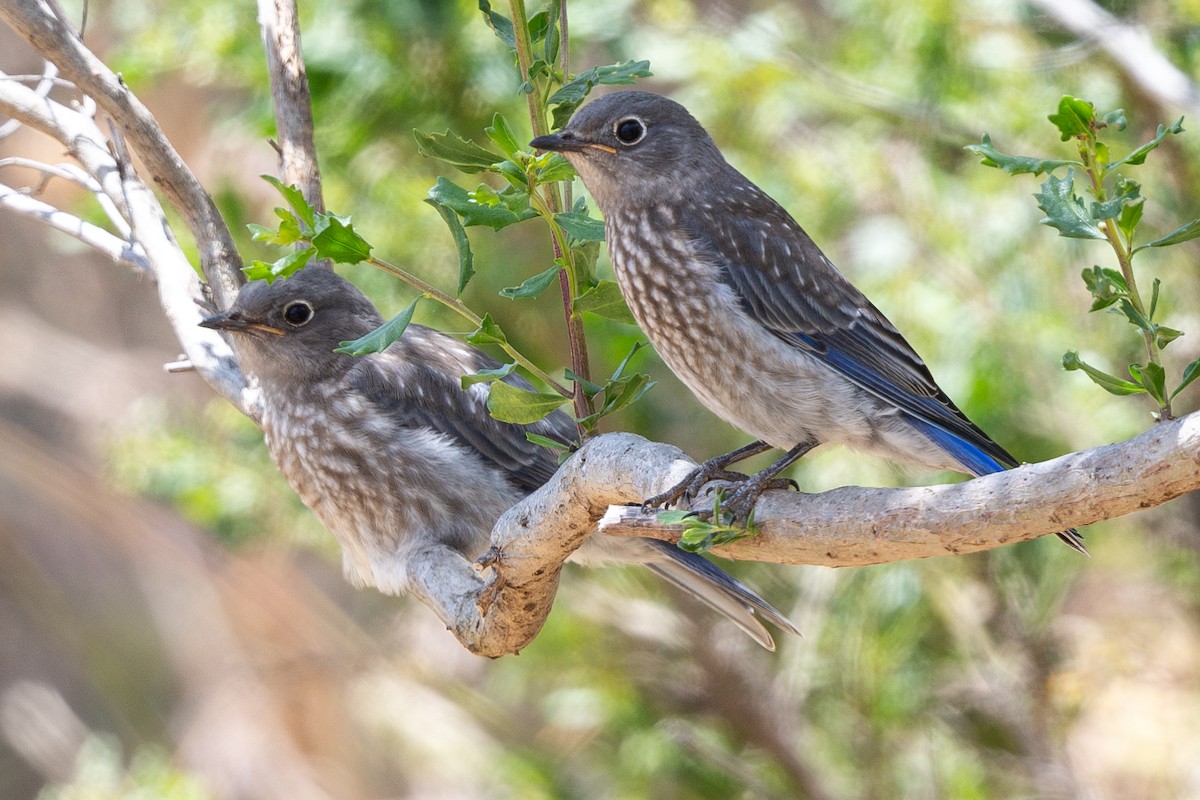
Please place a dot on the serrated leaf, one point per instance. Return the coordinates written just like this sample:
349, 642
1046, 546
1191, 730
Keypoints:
1015, 165
605, 300
338, 241
1074, 118
486, 375
581, 227
488, 332
502, 134
455, 197
1110, 383
456, 151
1153, 379
520, 406
568, 98
282, 268
1183, 233
1138, 157
1065, 210
1125, 192
1190, 373
501, 25
295, 199
462, 245
382, 337
532, 287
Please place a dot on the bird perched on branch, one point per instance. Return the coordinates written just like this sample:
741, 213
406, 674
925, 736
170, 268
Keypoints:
747, 310
393, 456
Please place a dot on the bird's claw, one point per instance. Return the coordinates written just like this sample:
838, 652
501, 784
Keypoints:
689, 488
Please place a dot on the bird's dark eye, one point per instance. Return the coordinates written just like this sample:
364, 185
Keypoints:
298, 313
630, 130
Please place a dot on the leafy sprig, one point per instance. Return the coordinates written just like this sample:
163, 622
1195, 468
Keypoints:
1110, 209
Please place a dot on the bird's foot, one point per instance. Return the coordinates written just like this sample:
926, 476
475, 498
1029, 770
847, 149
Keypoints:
689, 488
711, 470
737, 507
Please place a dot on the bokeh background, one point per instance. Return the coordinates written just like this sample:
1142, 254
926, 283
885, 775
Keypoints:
173, 622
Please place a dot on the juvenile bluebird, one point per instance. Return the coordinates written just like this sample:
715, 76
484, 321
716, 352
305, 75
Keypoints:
394, 457
711, 267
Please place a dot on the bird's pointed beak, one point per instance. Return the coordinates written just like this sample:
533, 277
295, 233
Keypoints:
233, 322
567, 141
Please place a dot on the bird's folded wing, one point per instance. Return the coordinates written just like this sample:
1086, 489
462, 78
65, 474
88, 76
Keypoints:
415, 394
786, 284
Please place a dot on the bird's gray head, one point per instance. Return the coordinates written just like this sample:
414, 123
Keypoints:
637, 149
288, 329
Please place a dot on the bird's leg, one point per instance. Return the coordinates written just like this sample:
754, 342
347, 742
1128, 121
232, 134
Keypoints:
712, 469
741, 500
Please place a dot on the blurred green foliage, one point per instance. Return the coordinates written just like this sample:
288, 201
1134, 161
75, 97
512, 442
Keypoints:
964, 677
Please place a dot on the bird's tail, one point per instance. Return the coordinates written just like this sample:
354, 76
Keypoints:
977, 461
717, 589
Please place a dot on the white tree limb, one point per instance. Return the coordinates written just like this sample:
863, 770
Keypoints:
119, 250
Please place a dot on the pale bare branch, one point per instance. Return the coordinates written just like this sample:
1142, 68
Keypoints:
119, 250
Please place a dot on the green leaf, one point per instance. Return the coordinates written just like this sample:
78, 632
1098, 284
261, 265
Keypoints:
466, 260
568, 98
295, 199
1015, 165
486, 375
1065, 210
501, 25
502, 134
1074, 118
283, 268
1135, 317
1190, 373
1110, 383
1163, 336
287, 234
338, 240
550, 167
553, 37
1153, 379
532, 287
1154, 292
1183, 233
1138, 156
488, 332
1131, 215
520, 406
581, 227
605, 300
590, 389
1106, 285
637, 346
457, 151
1124, 193
546, 441
382, 337
455, 197
1116, 118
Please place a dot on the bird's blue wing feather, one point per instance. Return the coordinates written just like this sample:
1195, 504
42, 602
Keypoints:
794, 292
